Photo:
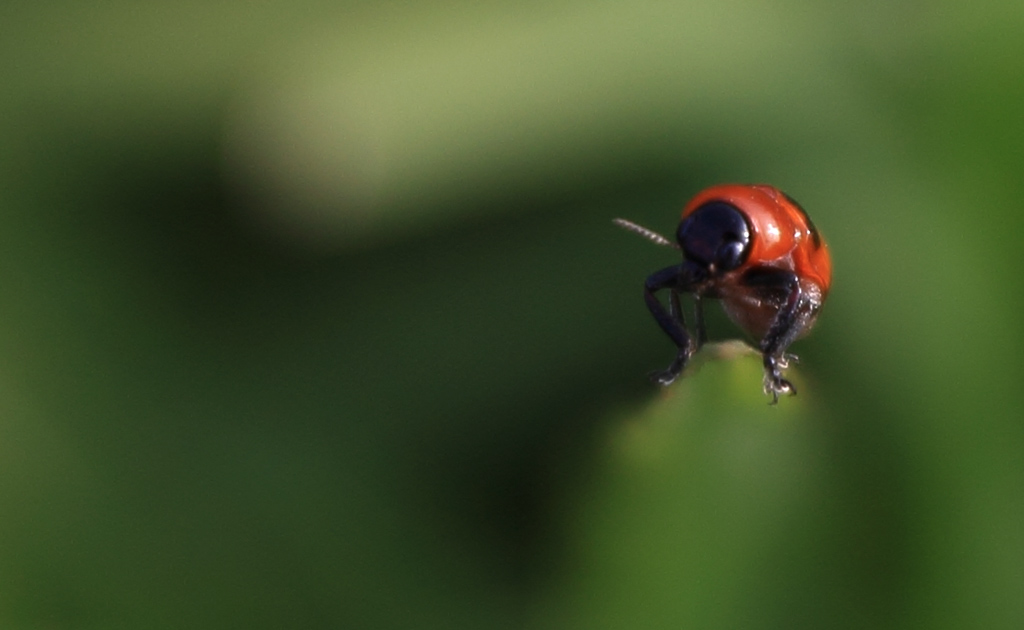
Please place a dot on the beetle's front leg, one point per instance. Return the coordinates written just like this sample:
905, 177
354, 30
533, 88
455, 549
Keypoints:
671, 321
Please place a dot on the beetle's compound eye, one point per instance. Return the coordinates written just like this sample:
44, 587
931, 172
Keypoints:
715, 234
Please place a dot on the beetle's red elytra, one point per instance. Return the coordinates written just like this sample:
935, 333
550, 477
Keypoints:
754, 248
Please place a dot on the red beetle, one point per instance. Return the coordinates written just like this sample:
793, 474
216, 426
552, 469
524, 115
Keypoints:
754, 248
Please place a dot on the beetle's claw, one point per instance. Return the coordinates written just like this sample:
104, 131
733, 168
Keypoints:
785, 359
663, 377
774, 385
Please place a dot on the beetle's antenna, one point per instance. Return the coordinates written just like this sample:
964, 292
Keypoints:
644, 232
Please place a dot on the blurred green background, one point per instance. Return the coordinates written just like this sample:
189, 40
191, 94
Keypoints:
312, 315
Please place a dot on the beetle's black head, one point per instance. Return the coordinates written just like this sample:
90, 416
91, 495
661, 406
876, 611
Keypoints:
715, 236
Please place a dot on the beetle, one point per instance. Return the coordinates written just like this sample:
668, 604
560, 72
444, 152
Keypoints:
754, 248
